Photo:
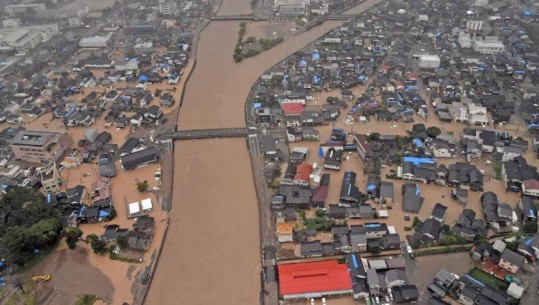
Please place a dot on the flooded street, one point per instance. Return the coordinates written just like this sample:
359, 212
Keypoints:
234, 7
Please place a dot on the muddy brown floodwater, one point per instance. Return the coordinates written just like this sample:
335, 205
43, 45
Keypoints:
234, 7
212, 251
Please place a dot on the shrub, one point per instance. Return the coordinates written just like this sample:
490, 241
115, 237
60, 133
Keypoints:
142, 186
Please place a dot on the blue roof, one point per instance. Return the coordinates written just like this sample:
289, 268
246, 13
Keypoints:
257, 105
354, 261
103, 213
417, 161
418, 143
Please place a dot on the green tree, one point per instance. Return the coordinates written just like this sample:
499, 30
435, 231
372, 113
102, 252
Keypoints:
142, 186
43, 233
433, 131
530, 227
250, 39
122, 241
320, 213
446, 229
98, 245
72, 235
14, 248
374, 136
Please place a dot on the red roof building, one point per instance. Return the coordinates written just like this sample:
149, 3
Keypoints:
292, 108
314, 280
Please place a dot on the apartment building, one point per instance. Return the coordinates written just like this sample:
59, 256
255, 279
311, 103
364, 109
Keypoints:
40, 146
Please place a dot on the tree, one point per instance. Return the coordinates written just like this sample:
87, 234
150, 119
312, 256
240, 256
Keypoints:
142, 186
530, 227
43, 232
17, 281
331, 100
122, 241
72, 235
374, 136
433, 131
250, 39
446, 229
98, 245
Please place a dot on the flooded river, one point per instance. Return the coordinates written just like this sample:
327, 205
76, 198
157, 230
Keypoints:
211, 254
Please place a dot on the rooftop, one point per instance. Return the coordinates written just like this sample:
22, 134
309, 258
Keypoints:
33, 138
313, 277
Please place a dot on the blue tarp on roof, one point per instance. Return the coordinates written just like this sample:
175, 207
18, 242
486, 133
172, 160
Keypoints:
417, 161
417, 190
143, 78
257, 105
371, 187
321, 152
417, 142
316, 56
103, 213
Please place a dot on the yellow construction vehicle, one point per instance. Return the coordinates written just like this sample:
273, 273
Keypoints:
42, 278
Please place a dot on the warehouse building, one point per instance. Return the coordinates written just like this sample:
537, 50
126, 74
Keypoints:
314, 280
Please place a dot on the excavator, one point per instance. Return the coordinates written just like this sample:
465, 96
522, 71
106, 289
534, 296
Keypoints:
41, 278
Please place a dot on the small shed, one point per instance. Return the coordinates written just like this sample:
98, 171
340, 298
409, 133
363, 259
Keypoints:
91, 134
134, 209
146, 205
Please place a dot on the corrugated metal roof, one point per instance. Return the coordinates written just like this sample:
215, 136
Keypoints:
314, 277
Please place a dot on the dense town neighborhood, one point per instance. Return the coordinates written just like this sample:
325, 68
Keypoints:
393, 158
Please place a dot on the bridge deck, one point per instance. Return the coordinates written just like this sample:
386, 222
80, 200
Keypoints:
210, 133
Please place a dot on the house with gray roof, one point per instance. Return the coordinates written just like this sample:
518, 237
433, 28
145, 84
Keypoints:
396, 277
511, 261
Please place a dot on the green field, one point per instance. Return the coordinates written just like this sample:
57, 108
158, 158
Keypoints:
488, 279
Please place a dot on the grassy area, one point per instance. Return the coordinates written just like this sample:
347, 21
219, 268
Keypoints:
13, 300
497, 170
87, 299
488, 279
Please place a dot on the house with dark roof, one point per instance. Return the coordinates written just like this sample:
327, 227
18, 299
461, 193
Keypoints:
405, 294
139, 158
390, 242
529, 247
311, 249
363, 148
527, 209
438, 212
465, 175
412, 200
395, 278
358, 276
386, 192
76, 195
511, 261
349, 191
431, 229
515, 172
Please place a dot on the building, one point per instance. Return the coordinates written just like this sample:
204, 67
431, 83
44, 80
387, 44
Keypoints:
511, 261
139, 158
50, 179
314, 280
167, 7
488, 46
22, 8
25, 38
95, 42
40, 146
429, 61
11, 23
285, 232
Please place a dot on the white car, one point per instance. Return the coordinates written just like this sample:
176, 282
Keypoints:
324, 301
312, 301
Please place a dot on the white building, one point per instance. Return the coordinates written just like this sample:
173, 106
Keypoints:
11, 23
464, 40
474, 25
429, 61
75, 21
14, 9
488, 46
22, 40
167, 7
95, 42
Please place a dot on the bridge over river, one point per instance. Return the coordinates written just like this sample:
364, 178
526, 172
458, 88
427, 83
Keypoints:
209, 133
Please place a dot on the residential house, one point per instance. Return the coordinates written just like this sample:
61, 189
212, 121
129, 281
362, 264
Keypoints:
139, 158
358, 276
530, 187
412, 200
333, 159
268, 146
303, 172
472, 149
438, 212
40, 146
511, 261
285, 232
362, 146
311, 249
443, 149
405, 293
386, 192
336, 212
464, 175
166, 100
349, 191
527, 208
443, 281
529, 247
391, 242
296, 196
358, 241
431, 229
395, 278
